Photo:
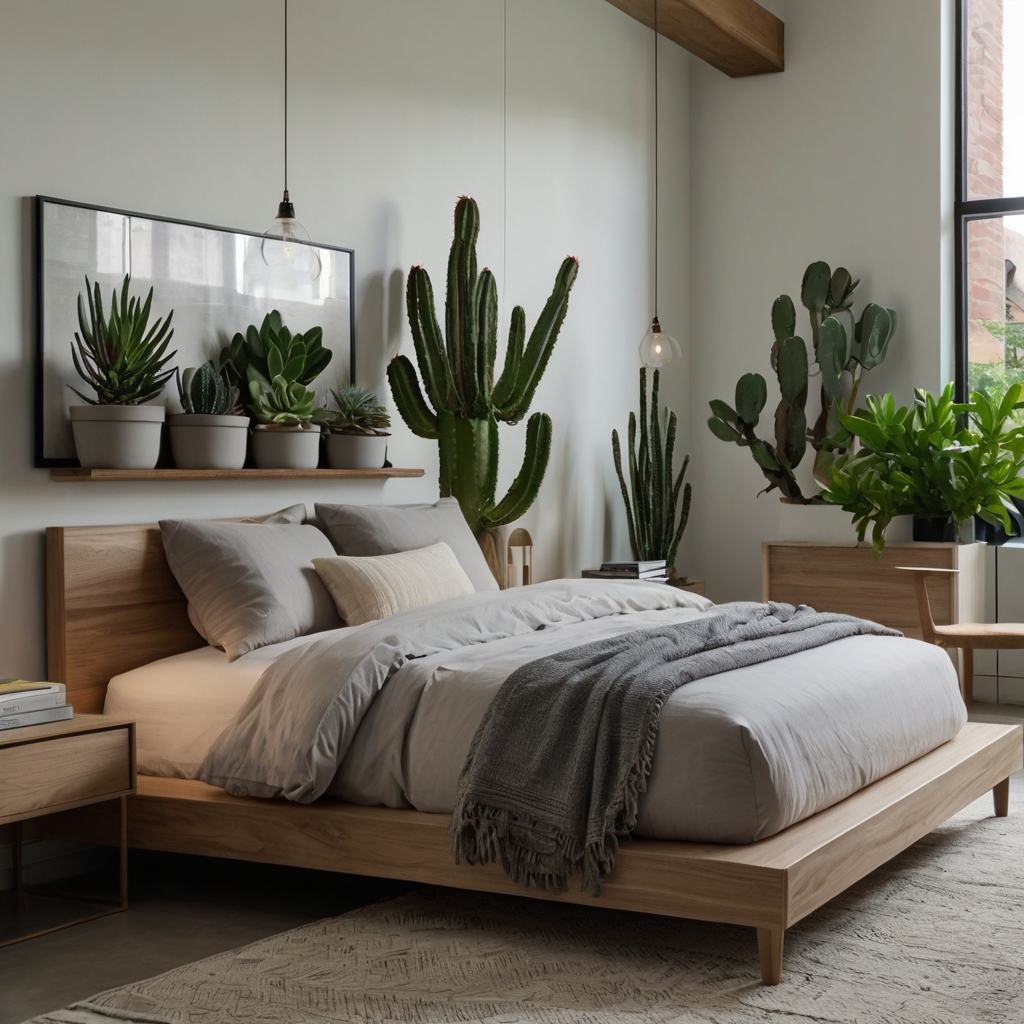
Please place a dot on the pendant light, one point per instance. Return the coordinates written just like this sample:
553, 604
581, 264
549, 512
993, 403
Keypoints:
283, 245
657, 348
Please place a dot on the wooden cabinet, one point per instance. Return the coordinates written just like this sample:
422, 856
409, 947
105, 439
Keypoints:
57, 768
845, 578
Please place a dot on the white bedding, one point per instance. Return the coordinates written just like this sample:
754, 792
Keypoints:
739, 755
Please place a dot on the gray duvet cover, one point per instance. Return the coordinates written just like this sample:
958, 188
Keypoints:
739, 755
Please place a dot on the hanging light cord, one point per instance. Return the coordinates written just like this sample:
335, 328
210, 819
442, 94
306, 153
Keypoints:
286, 99
504, 153
655, 159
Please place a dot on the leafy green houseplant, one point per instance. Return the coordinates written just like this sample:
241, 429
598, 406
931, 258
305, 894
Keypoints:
654, 529
272, 367
934, 459
123, 360
358, 426
211, 432
457, 371
843, 348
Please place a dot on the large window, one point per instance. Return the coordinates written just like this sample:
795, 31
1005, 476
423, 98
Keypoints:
990, 195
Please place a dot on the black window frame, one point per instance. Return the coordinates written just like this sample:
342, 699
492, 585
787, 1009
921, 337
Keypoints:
964, 209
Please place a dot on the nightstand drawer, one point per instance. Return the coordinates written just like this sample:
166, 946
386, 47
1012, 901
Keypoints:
63, 771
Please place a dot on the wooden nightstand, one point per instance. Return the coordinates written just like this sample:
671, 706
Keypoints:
47, 769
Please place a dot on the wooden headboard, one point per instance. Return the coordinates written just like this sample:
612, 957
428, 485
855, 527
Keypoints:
111, 605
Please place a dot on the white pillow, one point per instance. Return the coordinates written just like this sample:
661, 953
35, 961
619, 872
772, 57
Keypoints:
376, 586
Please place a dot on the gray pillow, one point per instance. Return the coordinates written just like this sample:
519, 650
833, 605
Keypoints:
389, 529
250, 584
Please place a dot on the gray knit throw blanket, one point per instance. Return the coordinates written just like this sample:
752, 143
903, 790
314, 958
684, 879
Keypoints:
556, 768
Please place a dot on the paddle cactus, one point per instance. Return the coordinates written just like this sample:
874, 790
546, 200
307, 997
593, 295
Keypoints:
843, 349
465, 403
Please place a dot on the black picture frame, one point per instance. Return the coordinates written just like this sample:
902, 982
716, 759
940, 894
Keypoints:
42, 459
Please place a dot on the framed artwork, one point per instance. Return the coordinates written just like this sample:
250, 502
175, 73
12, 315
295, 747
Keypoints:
216, 281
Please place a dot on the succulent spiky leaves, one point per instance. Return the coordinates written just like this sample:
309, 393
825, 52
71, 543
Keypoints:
652, 495
122, 361
459, 403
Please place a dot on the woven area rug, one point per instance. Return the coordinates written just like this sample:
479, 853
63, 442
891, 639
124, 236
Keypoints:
935, 936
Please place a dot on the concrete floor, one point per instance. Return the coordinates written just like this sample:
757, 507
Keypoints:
186, 908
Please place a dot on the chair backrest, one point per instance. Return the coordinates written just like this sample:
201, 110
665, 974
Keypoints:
924, 607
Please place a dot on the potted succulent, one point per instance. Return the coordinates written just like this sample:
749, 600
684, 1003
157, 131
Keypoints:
122, 359
941, 461
211, 432
358, 426
272, 369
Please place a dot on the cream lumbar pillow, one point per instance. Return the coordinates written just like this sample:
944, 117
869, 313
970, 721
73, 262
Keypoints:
376, 586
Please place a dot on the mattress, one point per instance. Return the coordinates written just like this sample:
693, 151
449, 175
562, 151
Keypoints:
739, 755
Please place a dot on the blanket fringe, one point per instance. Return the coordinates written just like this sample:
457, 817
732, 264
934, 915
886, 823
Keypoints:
482, 834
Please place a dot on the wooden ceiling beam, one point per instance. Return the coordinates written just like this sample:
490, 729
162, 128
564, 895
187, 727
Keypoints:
738, 37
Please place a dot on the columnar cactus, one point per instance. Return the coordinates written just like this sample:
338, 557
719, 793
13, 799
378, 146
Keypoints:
843, 349
465, 403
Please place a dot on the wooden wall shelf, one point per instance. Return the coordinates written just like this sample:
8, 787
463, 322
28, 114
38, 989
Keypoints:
63, 474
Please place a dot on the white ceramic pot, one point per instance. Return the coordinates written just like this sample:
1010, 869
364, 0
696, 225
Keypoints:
117, 436
199, 441
357, 451
276, 447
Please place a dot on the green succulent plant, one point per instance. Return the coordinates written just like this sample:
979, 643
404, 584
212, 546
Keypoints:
654, 531
844, 348
357, 411
261, 355
202, 390
119, 358
934, 459
457, 369
284, 403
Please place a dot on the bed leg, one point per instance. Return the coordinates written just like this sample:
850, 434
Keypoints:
769, 947
1001, 798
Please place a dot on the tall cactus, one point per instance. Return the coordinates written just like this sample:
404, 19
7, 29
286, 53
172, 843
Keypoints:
465, 403
651, 517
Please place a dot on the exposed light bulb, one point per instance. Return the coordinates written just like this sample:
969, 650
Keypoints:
285, 244
658, 348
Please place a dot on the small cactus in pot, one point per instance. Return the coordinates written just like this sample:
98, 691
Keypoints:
358, 426
211, 431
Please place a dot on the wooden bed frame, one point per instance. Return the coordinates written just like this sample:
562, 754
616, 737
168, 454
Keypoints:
113, 605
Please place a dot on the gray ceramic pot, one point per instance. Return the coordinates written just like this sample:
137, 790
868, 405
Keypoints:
357, 451
199, 441
117, 436
276, 447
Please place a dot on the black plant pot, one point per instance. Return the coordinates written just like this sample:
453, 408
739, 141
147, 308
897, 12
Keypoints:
934, 530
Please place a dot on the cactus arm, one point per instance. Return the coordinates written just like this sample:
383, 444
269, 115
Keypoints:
505, 387
617, 458
684, 517
523, 491
634, 481
487, 339
542, 342
426, 336
409, 399
657, 469
671, 497
459, 298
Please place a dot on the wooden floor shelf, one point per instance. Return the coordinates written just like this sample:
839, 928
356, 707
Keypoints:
64, 474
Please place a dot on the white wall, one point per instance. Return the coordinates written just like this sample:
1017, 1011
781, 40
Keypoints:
844, 157
173, 107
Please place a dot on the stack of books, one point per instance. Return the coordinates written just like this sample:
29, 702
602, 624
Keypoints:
23, 703
653, 571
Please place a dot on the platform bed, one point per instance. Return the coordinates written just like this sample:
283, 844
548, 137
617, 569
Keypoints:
113, 605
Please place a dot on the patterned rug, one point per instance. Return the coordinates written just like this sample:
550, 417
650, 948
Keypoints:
935, 936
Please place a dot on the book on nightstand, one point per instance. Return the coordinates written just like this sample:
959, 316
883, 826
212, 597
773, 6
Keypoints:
26, 703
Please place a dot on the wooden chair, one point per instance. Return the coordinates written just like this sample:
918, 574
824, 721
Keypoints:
968, 636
